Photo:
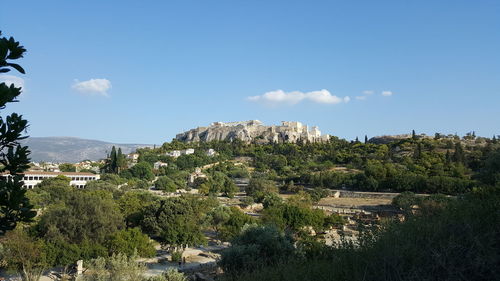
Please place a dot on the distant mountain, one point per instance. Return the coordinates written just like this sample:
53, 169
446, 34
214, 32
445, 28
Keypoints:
72, 150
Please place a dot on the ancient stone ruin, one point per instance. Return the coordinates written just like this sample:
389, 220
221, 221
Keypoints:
254, 131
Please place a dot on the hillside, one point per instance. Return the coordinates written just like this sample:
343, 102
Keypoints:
70, 149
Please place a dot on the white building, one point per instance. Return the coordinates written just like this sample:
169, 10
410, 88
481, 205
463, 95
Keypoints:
133, 156
177, 153
188, 151
197, 174
174, 153
79, 180
159, 164
211, 152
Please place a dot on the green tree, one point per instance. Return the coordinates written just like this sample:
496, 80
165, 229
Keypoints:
67, 167
258, 188
294, 217
131, 205
143, 170
271, 199
490, 172
417, 154
458, 155
113, 179
121, 160
165, 183
51, 191
229, 188
405, 201
255, 247
14, 205
84, 216
24, 255
113, 159
131, 241
176, 222
228, 221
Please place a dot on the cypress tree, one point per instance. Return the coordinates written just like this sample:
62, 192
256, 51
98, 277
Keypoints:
458, 156
417, 154
413, 134
120, 160
366, 139
448, 157
113, 160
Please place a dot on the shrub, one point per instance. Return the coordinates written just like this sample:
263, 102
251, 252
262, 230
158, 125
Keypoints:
165, 183
176, 256
255, 247
170, 275
131, 241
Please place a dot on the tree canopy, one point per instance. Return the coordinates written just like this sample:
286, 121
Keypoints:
14, 205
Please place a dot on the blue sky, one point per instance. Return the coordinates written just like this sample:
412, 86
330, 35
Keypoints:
142, 71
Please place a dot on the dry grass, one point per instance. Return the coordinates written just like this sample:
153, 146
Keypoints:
353, 202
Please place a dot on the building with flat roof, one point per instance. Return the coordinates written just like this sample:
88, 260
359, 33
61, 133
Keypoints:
79, 180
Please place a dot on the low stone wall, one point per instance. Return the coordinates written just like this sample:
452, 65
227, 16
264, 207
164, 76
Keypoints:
361, 194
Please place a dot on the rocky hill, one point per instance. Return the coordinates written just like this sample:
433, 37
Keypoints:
72, 150
254, 130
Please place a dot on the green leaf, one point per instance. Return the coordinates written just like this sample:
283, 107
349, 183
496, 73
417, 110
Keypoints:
17, 67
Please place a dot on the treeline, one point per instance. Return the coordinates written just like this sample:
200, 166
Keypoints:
429, 165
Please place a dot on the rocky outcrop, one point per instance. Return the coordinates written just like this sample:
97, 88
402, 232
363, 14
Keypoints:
393, 138
253, 130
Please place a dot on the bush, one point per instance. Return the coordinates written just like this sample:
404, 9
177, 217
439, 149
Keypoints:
258, 188
112, 178
176, 256
165, 183
143, 171
131, 241
170, 275
115, 268
255, 247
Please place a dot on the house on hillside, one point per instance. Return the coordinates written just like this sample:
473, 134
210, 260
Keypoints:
211, 152
157, 165
174, 153
196, 174
133, 157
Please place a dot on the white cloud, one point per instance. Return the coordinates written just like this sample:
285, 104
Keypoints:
282, 97
11, 79
93, 86
361, 97
368, 92
387, 93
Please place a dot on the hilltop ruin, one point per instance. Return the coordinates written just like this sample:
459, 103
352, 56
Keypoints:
254, 131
